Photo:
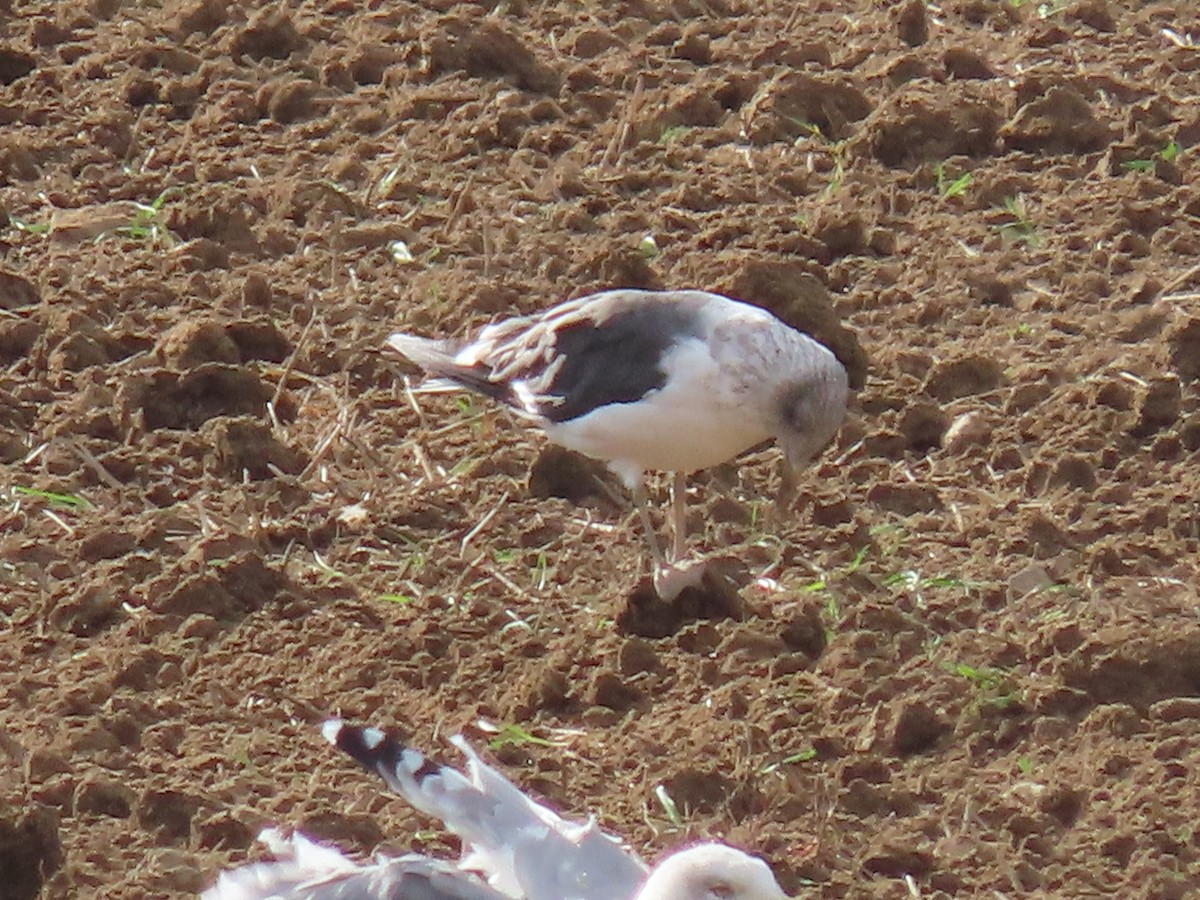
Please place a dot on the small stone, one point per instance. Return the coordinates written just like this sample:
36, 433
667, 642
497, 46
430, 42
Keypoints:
256, 290
923, 424
42, 762
1159, 407
85, 612
103, 796
806, 632
916, 729
559, 472
167, 814
609, 691
912, 23
968, 429
1175, 709
1030, 579
905, 498
30, 850
1117, 719
636, 655
553, 689
965, 64
1074, 471
1184, 342
963, 377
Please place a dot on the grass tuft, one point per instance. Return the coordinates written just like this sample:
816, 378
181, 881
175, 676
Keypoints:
148, 225
951, 187
1021, 227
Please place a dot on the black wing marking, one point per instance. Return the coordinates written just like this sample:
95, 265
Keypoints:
617, 360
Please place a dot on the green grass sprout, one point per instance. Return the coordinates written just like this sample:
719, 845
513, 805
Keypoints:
147, 224
399, 599
951, 187
806, 755
515, 736
1022, 227
673, 133
53, 497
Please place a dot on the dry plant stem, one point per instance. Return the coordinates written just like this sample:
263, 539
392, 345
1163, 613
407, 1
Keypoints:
1182, 279
624, 126
481, 524
94, 464
291, 360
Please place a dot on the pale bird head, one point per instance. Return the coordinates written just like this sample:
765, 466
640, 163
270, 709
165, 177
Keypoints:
811, 410
711, 872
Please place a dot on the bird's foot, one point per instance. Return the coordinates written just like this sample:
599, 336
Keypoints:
673, 579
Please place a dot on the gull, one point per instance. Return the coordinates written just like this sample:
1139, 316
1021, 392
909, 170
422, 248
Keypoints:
673, 381
513, 847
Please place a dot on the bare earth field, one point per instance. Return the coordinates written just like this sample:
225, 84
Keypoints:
961, 662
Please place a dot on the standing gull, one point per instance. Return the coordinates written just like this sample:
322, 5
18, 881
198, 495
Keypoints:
674, 381
513, 847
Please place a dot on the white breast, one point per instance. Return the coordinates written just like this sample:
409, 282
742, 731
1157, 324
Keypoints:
697, 420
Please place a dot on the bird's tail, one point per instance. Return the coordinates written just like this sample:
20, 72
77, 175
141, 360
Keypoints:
439, 359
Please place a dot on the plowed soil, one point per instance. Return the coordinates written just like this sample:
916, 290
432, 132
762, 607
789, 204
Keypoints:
961, 660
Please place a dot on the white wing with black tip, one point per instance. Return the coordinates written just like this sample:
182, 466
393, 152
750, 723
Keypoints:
522, 848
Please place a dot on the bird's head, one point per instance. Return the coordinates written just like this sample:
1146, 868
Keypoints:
810, 410
711, 872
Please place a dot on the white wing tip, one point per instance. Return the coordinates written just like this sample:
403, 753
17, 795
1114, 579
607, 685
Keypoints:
331, 728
